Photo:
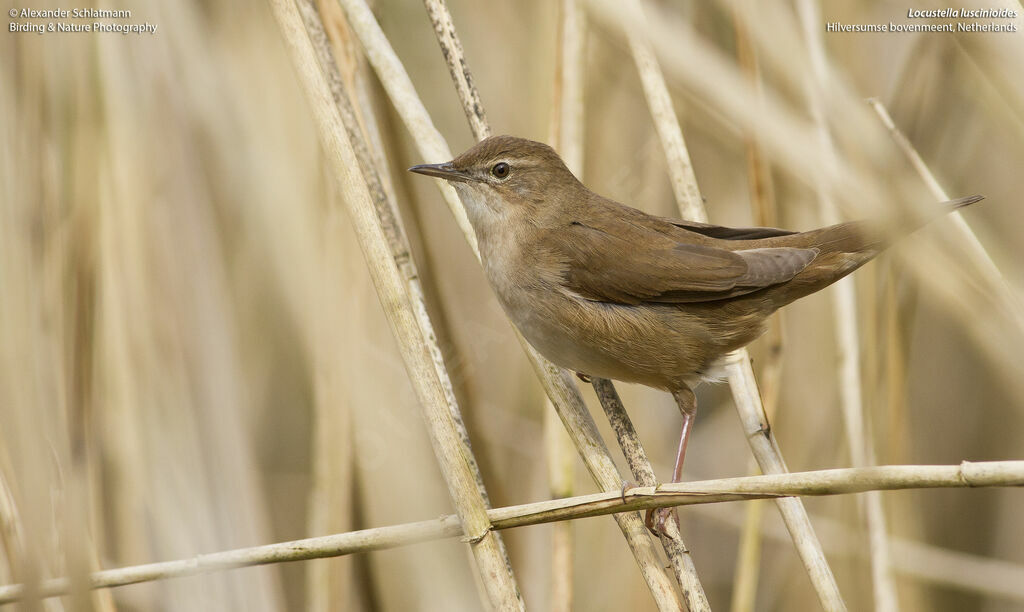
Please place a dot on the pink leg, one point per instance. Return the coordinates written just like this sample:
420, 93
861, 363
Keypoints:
687, 401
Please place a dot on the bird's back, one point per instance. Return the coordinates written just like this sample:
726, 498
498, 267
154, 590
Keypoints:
781, 254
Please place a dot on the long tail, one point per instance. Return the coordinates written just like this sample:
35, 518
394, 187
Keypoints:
847, 246
946, 208
961, 202
870, 237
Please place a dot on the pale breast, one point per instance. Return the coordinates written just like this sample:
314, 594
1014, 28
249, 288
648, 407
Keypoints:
658, 346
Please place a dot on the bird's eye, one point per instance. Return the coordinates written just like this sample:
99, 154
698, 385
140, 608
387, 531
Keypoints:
500, 170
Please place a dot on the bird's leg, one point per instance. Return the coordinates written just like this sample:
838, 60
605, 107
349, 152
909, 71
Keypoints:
687, 401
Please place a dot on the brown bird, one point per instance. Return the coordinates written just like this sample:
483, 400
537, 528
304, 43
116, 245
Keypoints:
610, 291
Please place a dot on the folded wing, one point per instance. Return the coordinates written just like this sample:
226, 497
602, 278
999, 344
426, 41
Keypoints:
659, 268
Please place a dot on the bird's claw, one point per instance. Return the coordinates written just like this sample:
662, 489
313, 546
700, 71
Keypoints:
656, 519
626, 486
584, 377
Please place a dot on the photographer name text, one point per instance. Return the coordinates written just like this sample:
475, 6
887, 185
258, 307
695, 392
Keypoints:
27, 20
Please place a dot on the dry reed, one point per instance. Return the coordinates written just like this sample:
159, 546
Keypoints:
823, 482
194, 359
386, 258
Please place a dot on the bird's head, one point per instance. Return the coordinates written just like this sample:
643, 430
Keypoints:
505, 175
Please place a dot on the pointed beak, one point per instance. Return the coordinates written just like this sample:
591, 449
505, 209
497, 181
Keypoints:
445, 171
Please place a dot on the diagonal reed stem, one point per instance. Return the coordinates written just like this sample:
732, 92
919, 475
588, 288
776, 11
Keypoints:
680, 169
387, 211
671, 539
444, 28
982, 260
766, 450
386, 263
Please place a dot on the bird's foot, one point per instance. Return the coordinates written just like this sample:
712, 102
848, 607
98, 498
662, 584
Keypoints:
584, 377
657, 518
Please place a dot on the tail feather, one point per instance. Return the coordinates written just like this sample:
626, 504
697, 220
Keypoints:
961, 202
845, 247
869, 236
867, 239
916, 222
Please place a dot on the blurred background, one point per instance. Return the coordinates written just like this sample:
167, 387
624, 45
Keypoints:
193, 358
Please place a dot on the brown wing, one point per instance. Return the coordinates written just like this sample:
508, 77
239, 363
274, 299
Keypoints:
623, 261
